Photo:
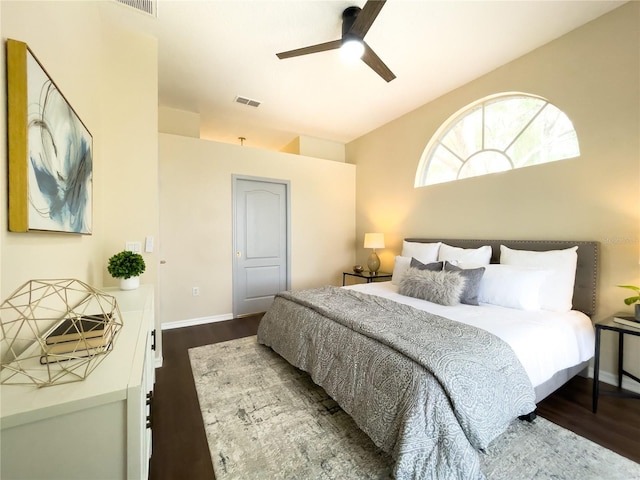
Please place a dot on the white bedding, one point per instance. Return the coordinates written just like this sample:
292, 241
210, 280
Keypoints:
545, 342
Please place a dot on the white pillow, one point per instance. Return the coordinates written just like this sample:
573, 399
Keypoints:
557, 292
512, 286
466, 256
399, 269
425, 252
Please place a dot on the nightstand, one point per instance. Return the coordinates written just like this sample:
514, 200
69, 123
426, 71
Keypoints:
368, 276
622, 330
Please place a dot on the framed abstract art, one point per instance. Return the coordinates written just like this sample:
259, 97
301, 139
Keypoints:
50, 152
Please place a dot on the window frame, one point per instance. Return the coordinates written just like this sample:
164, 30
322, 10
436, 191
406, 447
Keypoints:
439, 137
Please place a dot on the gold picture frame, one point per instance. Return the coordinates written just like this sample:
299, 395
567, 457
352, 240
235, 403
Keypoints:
50, 152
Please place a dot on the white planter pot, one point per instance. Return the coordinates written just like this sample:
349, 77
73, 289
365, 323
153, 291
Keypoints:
130, 283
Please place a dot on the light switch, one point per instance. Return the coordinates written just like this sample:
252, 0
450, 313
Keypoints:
135, 247
148, 244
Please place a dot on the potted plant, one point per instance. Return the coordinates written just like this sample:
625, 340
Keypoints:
634, 299
127, 266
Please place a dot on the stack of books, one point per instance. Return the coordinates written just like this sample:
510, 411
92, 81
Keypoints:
78, 337
628, 320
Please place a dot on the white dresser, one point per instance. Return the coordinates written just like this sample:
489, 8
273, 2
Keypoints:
98, 428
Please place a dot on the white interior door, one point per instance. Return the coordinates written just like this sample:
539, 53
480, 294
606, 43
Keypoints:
261, 243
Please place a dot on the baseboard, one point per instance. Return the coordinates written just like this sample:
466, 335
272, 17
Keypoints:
611, 379
192, 322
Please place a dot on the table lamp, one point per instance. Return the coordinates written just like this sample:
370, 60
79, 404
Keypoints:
373, 240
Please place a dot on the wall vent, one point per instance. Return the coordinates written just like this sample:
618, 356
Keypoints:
247, 101
150, 7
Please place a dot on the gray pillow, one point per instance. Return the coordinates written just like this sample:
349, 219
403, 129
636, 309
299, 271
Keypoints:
440, 287
434, 266
472, 285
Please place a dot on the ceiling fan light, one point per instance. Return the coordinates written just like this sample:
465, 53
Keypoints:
352, 49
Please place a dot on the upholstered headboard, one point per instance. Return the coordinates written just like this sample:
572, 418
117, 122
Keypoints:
584, 292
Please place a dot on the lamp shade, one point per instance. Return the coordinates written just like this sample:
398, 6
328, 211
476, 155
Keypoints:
374, 240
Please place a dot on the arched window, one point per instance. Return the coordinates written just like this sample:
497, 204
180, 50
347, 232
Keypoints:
494, 134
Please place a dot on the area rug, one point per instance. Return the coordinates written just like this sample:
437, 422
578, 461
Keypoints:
265, 419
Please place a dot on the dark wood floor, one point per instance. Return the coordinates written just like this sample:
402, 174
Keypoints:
180, 448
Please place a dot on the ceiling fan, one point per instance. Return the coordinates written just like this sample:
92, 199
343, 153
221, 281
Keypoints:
355, 25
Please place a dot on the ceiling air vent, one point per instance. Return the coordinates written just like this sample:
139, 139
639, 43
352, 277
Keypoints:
149, 7
247, 101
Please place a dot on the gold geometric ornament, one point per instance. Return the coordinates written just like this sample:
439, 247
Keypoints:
55, 331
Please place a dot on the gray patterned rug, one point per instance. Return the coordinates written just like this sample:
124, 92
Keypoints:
265, 419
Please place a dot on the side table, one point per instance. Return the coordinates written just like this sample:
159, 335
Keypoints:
622, 330
368, 276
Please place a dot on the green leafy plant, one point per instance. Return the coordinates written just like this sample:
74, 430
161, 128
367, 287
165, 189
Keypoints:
635, 298
126, 264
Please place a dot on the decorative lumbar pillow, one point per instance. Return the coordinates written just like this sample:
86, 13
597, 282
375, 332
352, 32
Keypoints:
556, 294
440, 287
425, 252
469, 256
473, 278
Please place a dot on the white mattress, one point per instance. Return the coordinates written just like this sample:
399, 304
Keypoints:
545, 342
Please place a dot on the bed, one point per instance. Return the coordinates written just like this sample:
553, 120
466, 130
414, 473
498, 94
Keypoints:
433, 384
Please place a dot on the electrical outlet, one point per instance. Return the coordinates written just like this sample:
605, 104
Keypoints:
195, 291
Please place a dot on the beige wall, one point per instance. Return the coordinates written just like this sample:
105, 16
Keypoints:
593, 75
196, 221
109, 76
316, 147
178, 122
130, 147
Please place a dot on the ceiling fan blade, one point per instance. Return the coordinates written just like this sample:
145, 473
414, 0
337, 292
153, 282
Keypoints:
320, 47
370, 58
366, 17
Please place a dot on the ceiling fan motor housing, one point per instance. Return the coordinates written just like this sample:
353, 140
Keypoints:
348, 17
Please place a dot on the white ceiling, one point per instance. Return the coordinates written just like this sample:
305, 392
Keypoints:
211, 51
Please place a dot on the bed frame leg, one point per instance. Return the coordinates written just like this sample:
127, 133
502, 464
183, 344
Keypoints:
529, 417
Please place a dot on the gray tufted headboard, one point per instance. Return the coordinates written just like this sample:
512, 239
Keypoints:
584, 293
